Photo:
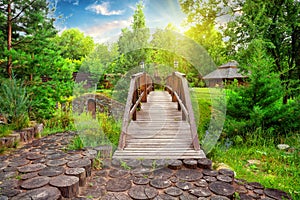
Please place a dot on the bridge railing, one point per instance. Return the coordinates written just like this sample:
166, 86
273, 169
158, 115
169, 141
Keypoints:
177, 86
140, 86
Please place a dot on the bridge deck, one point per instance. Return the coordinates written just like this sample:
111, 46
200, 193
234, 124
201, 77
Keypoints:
158, 132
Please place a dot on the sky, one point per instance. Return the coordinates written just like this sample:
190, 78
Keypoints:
103, 20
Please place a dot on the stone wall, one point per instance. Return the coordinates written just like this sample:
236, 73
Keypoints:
103, 104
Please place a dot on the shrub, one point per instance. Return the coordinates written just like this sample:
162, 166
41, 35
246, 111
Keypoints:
14, 103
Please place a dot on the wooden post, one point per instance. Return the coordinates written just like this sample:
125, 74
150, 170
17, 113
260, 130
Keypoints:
144, 87
134, 98
173, 87
92, 107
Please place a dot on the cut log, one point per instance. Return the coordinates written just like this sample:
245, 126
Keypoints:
82, 163
189, 175
78, 172
142, 192
173, 191
201, 192
31, 168
118, 185
204, 163
276, 194
47, 192
68, 185
222, 188
52, 171
35, 182
190, 163
54, 163
175, 164
160, 183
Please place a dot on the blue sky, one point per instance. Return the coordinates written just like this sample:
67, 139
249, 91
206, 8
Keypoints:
103, 20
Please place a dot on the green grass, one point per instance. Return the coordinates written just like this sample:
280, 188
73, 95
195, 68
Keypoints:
277, 169
5, 130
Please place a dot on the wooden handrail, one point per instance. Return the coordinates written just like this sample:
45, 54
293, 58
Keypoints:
177, 86
140, 85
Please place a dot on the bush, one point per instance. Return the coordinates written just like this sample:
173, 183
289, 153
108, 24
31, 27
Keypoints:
14, 103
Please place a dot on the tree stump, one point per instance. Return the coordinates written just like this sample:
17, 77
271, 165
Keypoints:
205, 163
105, 151
82, 163
276, 194
78, 172
226, 179
173, 191
160, 183
184, 185
55, 163
52, 171
209, 172
31, 168
142, 192
189, 175
227, 172
29, 175
35, 182
47, 192
18, 163
118, 185
91, 107
141, 181
175, 164
222, 188
190, 163
201, 192
68, 185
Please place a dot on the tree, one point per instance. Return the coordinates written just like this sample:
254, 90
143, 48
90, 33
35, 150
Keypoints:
74, 44
133, 43
202, 17
24, 22
277, 23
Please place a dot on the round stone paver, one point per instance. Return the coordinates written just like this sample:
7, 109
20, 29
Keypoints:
118, 185
222, 188
35, 182
189, 175
44, 193
173, 191
31, 168
142, 192
160, 183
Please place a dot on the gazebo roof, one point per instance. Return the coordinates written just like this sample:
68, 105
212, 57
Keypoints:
226, 71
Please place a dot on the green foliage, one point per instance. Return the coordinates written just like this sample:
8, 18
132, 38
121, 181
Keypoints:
274, 169
5, 130
76, 143
259, 104
14, 103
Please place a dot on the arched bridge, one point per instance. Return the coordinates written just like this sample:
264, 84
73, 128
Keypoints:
158, 124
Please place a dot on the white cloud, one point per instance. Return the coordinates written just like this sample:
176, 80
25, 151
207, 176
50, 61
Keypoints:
103, 9
104, 32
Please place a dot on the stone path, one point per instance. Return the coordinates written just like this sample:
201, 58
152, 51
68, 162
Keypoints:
43, 170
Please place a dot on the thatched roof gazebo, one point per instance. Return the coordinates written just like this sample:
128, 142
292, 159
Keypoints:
226, 72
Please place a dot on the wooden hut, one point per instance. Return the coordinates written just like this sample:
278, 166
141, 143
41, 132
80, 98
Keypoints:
225, 73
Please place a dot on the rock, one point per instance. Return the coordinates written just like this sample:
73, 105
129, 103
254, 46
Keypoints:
283, 146
253, 162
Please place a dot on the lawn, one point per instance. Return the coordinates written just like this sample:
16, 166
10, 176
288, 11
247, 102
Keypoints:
256, 159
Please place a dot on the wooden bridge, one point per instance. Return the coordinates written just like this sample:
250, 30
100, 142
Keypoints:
158, 124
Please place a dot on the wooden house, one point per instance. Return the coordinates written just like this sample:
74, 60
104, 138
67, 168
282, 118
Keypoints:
225, 73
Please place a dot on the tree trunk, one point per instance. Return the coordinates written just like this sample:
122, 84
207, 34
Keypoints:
9, 39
